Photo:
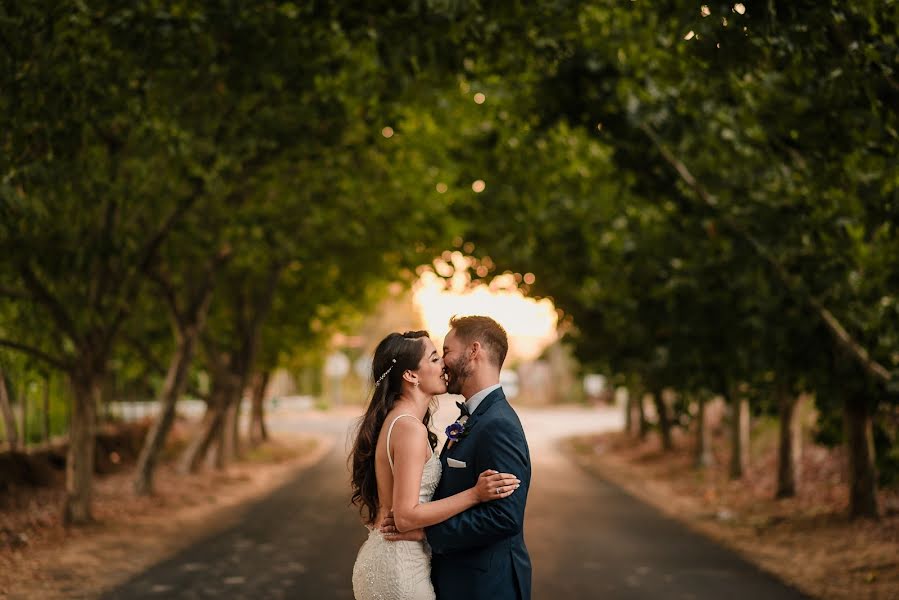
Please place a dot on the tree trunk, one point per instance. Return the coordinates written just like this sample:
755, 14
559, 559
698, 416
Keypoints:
862, 472
222, 449
175, 380
23, 405
703, 441
641, 411
80, 458
258, 430
9, 418
232, 370
236, 447
224, 443
664, 419
195, 452
215, 455
45, 421
188, 325
229, 443
789, 450
628, 412
739, 429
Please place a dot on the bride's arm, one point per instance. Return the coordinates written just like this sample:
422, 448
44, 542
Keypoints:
409, 456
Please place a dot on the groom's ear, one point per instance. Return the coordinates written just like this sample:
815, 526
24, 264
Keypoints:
476, 349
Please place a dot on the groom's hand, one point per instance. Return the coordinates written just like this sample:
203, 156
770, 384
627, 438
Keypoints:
388, 525
389, 531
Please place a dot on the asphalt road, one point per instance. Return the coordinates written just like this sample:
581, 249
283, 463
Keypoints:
587, 538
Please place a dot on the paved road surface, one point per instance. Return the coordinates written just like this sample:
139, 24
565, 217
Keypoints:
587, 539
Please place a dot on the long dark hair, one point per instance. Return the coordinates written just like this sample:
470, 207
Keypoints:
398, 352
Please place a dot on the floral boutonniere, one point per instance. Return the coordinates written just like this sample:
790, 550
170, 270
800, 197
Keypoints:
458, 430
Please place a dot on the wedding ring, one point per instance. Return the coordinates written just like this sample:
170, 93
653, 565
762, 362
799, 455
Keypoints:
498, 490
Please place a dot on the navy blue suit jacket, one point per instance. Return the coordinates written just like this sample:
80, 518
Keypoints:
480, 553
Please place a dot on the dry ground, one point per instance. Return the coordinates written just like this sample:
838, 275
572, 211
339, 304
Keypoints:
39, 559
807, 541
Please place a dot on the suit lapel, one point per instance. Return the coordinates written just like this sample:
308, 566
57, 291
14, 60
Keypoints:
462, 449
491, 399
445, 448
485, 405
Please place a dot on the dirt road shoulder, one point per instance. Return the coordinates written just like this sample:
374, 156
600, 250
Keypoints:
134, 533
807, 542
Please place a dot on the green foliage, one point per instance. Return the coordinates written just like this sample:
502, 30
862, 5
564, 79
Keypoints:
709, 194
26, 380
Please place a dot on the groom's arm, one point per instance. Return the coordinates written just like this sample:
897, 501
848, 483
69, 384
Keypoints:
502, 448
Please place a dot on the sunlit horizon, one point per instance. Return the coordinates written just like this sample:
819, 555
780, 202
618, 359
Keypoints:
448, 290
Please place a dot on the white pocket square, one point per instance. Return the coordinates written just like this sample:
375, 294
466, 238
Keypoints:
456, 464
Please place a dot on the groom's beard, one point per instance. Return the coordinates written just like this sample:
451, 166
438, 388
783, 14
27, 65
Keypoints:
458, 374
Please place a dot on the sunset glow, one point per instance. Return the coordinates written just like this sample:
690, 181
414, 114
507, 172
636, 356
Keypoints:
448, 290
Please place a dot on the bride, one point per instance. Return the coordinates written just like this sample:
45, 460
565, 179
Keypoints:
395, 468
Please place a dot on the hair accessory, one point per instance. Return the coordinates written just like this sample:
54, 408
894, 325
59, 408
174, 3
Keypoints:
378, 382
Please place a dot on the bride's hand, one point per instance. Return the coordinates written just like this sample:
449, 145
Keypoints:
493, 485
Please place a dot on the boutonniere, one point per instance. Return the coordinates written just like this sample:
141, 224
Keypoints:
458, 430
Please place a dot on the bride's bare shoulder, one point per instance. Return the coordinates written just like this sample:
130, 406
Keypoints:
405, 423
409, 434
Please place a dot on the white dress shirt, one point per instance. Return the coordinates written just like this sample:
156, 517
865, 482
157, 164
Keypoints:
472, 403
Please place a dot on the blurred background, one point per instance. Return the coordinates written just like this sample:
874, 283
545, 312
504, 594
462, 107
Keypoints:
683, 213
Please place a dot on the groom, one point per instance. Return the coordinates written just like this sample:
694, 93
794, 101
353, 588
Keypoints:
480, 553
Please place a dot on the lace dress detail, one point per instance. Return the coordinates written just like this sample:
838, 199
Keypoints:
386, 570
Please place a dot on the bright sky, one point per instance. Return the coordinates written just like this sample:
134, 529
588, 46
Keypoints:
447, 290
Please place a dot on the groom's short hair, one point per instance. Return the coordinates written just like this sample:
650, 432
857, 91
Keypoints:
485, 330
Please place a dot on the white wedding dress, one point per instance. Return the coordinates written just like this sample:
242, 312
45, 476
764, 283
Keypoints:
386, 570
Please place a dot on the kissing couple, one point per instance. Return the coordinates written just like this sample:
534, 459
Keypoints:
449, 525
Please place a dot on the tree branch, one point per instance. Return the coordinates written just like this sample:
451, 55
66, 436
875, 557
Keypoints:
260, 313
218, 362
50, 360
148, 256
155, 365
168, 294
792, 283
145, 353
264, 303
43, 296
198, 303
15, 294
101, 281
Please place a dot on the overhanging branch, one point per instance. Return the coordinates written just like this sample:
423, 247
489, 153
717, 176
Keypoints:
148, 256
792, 283
50, 360
43, 296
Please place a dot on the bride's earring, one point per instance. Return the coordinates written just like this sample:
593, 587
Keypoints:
415, 384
